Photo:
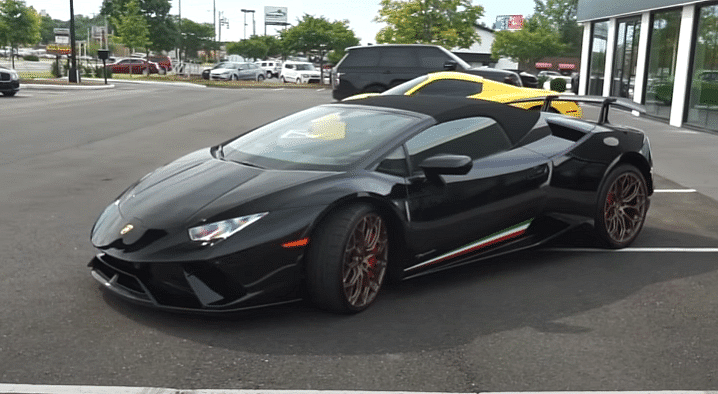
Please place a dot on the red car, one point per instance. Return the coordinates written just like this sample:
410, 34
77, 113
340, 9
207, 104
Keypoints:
164, 62
139, 66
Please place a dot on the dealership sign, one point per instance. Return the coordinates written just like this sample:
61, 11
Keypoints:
509, 22
275, 15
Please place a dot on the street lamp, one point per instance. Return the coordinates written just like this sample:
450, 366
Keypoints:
245, 11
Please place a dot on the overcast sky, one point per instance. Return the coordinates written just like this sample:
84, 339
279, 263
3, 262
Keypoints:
359, 13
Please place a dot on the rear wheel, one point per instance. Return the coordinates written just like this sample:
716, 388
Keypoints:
260, 77
162, 71
146, 71
269, 75
348, 258
622, 206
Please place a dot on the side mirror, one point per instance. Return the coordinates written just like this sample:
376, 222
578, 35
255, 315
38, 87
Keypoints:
450, 65
446, 165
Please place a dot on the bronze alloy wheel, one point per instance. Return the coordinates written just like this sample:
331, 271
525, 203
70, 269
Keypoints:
365, 261
624, 208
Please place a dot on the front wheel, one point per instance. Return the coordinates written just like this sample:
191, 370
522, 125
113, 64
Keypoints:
260, 77
146, 72
347, 259
622, 206
284, 80
298, 81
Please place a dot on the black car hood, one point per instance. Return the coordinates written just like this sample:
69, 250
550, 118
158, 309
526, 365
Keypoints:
198, 187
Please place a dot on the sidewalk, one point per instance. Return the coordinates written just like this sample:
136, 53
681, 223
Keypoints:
686, 157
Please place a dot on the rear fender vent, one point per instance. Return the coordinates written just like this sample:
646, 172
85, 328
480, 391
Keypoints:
565, 132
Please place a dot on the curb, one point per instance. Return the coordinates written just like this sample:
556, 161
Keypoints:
63, 389
63, 87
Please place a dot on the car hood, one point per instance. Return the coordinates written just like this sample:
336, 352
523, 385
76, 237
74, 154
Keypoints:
199, 187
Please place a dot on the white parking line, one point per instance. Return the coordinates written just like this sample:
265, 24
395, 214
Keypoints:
675, 191
634, 250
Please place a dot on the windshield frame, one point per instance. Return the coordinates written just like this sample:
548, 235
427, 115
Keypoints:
231, 152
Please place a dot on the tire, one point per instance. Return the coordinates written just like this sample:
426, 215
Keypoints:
146, 72
162, 71
233, 77
269, 75
298, 81
9, 93
260, 77
621, 207
347, 259
283, 80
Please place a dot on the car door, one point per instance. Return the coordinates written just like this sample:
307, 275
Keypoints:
501, 193
244, 72
123, 66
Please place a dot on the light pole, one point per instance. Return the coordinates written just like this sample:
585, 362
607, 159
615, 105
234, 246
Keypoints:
245, 11
73, 59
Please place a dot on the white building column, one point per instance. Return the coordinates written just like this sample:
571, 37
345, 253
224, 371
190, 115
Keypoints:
610, 53
585, 56
682, 78
642, 66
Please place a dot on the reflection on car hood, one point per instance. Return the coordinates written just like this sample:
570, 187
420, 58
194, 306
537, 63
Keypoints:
199, 186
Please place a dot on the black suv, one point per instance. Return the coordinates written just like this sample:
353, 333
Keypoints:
376, 68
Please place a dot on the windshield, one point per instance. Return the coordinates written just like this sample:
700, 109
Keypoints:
405, 87
320, 138
224, 65
305, 67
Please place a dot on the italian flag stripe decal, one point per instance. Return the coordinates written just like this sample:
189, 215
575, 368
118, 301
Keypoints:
509, 233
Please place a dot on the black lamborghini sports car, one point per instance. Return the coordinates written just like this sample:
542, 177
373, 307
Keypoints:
331, 202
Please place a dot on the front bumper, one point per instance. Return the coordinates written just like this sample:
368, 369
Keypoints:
203, 286
9, 86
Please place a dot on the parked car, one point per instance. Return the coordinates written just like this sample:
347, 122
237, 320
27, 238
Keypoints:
231, 71
137, 65
327, 203
164, 62
528, 80
376, 68
456, 84
9, 81
271, 67
299, 72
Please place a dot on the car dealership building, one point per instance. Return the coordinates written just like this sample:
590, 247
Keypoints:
661, 53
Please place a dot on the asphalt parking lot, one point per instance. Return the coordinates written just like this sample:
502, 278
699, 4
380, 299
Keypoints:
565, 317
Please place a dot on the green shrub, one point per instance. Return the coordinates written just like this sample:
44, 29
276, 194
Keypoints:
87, 70
31, 58
542, 80
100, 72
55, 70
558, 85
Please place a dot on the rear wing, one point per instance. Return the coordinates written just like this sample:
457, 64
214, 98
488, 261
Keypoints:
604, 102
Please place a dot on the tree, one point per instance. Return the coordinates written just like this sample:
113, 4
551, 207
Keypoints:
163, 31
132, 27
449, 23
560, 16
197, 37
528, 45
317, 36
19, 25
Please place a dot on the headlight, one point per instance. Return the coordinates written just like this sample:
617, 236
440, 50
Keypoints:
224, 229
14, 76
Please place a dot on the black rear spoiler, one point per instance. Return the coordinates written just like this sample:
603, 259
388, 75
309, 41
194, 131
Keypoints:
604, 102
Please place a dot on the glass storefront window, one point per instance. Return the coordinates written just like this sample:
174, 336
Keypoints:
626, 57
703, 93
597, 63
662, 58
